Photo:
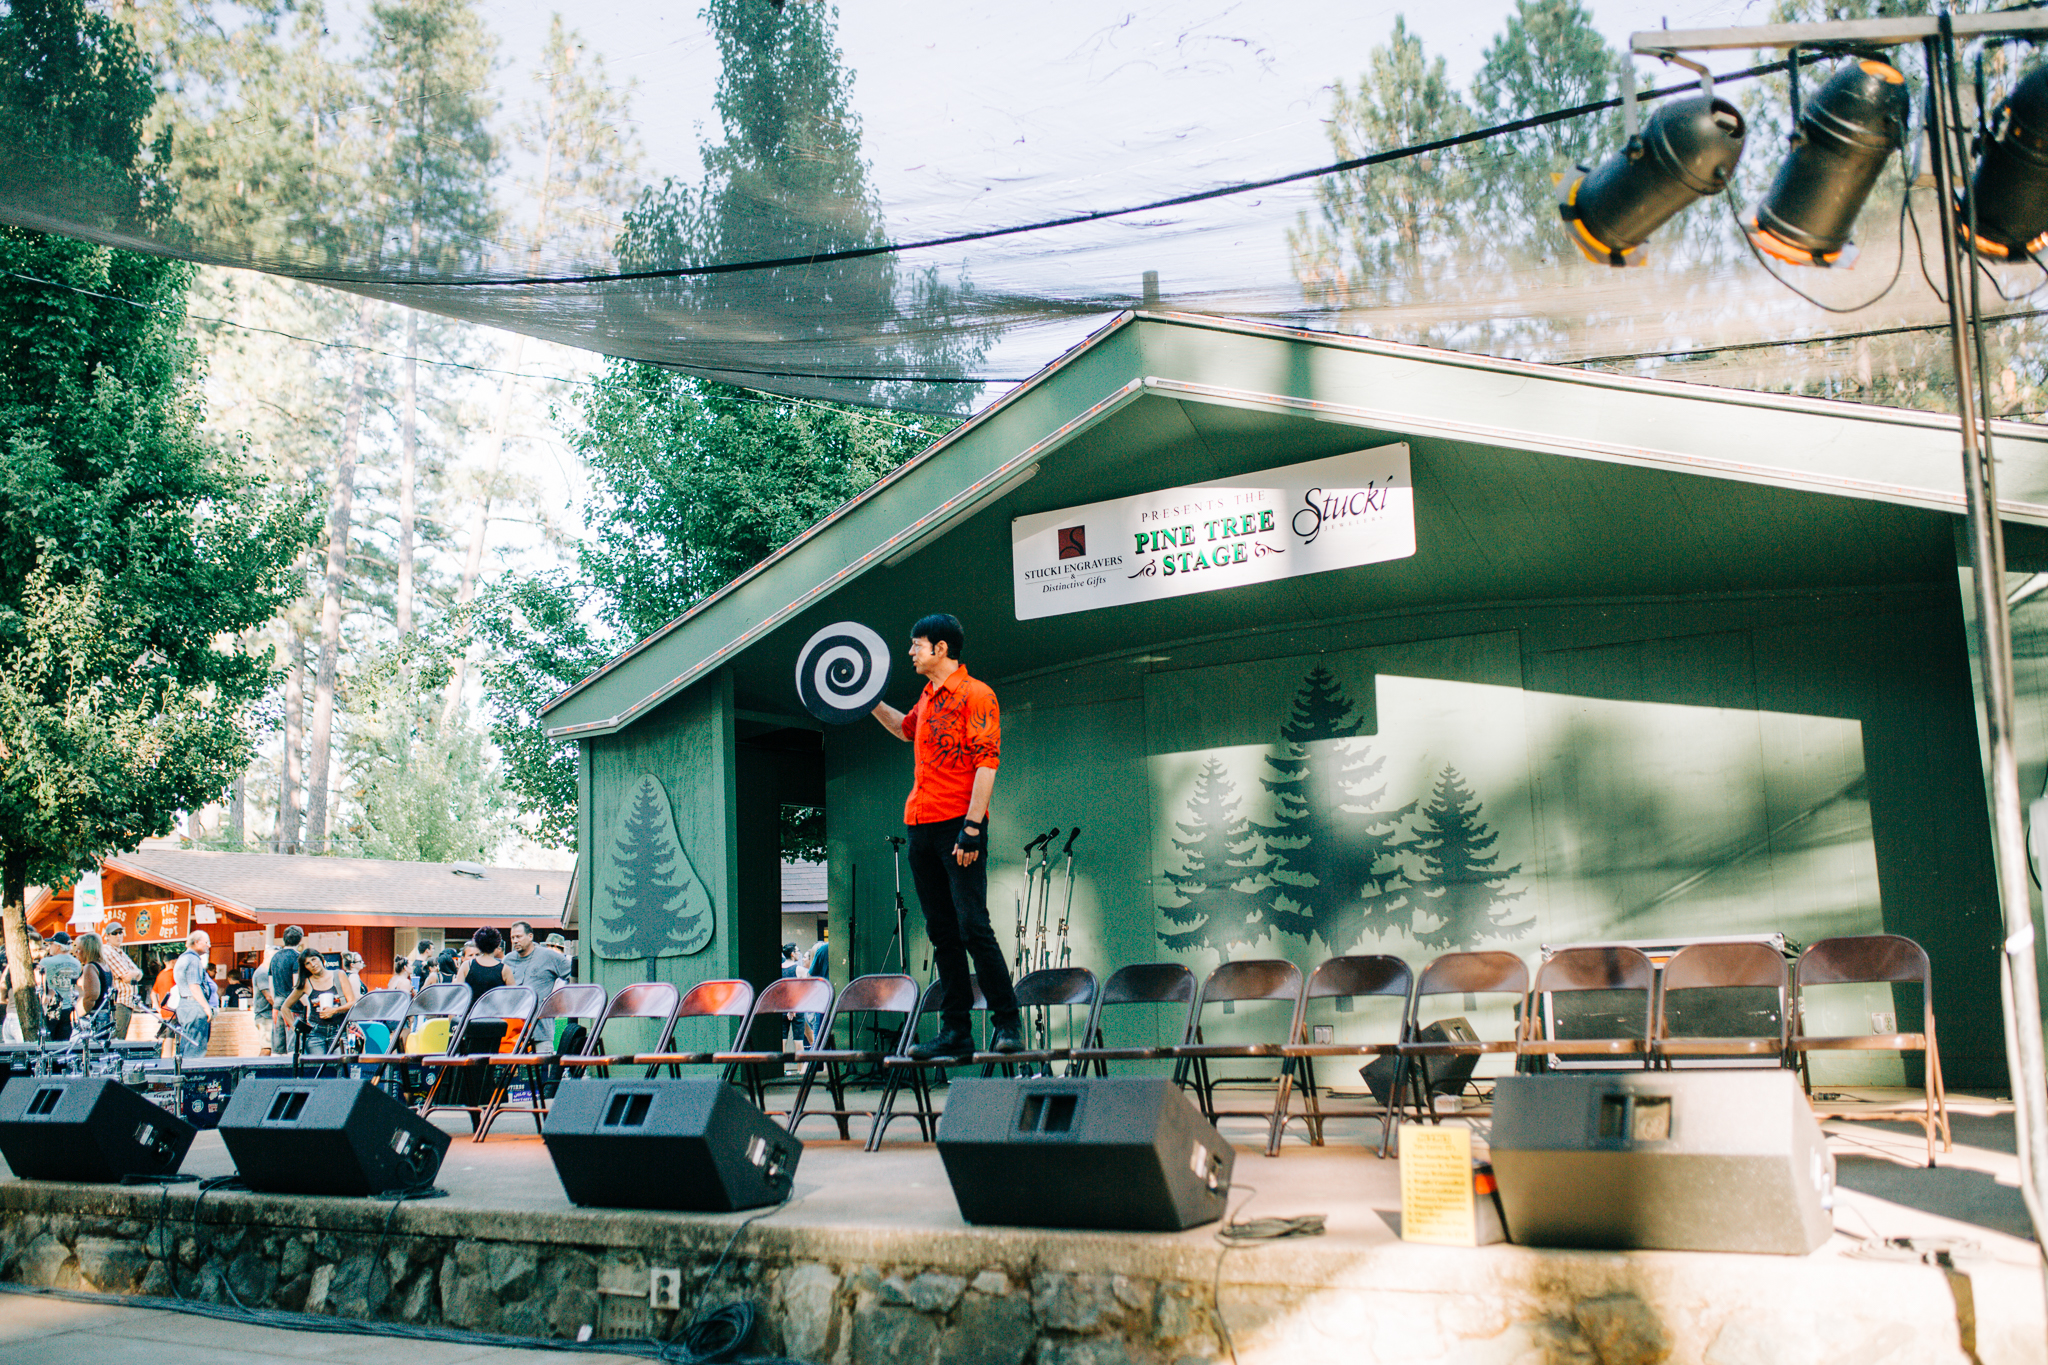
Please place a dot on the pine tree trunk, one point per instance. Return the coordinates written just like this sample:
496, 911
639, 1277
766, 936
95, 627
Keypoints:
479, 528
292, 771
320, 739
408, 469
238, 810
28, 1009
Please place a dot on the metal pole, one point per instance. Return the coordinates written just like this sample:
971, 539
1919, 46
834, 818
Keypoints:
2021, 996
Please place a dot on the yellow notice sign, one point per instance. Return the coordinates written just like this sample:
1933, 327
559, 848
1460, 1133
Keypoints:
1436, 1185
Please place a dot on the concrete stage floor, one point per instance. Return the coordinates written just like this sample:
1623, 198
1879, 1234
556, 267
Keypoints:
1355, 1293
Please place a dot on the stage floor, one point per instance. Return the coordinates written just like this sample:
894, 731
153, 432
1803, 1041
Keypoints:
876, 1219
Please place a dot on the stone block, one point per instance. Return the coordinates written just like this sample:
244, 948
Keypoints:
885, 1334
1098, 1351
318, 1288
810, 1295
1622, 1330
622, 1275
1180, 1313
109, 1265
42, 1261
991, 1282
252, 1278
294, 1258
510, 1270
359, 1287
156, 1281
930, 1292
1073, 1303
415, 1299
572, 1306
988, 1331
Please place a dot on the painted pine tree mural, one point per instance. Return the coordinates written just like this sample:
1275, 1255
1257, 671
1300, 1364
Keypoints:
656, 906
1331, 853
1213, 842
1461, 886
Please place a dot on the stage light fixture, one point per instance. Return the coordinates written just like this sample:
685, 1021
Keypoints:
1838, 150
1685, 153
2011, 183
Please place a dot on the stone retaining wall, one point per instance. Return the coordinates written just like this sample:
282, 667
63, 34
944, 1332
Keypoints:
1002, 1297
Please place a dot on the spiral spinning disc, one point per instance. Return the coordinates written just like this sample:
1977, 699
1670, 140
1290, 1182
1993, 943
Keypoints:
842, 672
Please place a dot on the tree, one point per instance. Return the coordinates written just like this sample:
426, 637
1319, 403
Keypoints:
657, 907
1331, 851
1213, 841
1461, 884
1549, 56
132, 552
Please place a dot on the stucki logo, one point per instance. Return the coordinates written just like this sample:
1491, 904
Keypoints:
1350, 504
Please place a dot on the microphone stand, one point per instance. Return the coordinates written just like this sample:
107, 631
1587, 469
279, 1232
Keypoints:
1067, 911
900, 945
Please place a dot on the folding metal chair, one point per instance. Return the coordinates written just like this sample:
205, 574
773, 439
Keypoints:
1614, 969
659, 1005
1255, 980
385, 1008
510, 1006
446, 1005
749, 1066
1343, 981
865, 997
1164, 986
531, 1065
1042, 992
1490, 972
1872, 959
917, 1073
1698, 968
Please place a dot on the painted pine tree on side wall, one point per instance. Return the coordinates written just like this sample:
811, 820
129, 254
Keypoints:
1461, 885
1213, 842
657, 906
1331, 853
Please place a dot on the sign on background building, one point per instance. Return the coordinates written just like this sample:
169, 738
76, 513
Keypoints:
1278, 523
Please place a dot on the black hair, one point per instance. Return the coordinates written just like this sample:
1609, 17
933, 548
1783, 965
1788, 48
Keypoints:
424, 945
941, 629
292, 934
523, 927
488, 940
788, 949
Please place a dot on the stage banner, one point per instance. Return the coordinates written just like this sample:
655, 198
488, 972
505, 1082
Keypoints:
1300, 519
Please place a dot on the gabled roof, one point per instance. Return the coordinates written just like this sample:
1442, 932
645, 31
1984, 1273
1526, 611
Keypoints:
351, 891
1257, 382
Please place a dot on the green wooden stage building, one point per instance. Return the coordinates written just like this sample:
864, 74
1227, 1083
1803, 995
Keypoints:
1665, 661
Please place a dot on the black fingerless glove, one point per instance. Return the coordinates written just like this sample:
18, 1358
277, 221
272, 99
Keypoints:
973, 838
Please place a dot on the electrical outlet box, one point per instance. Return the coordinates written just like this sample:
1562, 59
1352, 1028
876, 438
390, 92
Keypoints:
1323, 1033
622, 1317
1883, 1023
665, 1289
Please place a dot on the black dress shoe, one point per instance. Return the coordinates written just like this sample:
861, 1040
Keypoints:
1008, 1038
947, 1047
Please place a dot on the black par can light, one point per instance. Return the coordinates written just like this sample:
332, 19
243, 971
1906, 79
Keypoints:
2011, 183
1684, 154
1844, 137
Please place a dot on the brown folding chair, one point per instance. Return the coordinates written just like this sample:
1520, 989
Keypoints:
1040, 993
1252, 981
1699, 968
660, 1000
372, 1007
749, 1065
905, 1069
584, 1004
1490, 972
1342, 981
865, 998
511, 1007
1594, 1032
1871, 959
1162, 985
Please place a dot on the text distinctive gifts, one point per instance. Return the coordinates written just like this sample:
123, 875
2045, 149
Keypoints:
1277, 523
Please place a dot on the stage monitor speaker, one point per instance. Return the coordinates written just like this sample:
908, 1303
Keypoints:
328, 1137
1125, 1153
693, 1145
1447, 1075
87, 1128
1682, 1161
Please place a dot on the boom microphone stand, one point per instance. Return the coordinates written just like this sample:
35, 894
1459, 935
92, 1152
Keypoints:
1030, 895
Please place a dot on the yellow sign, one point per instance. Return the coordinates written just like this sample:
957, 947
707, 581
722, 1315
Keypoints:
1436, 1184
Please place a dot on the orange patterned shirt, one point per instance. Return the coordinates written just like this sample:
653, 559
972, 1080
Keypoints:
954, 729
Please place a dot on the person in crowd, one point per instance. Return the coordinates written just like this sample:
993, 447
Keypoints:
793, 965
534, 964
420, 966
352, 968
60, 972
561, 945
282, 979
95, 989
482, 969
819, 965
326, 994
126, 975
444, 967
190, 985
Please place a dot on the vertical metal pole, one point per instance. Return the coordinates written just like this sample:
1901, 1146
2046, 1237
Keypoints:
2021, 995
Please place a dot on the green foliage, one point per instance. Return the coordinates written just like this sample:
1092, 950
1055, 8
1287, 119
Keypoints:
1461, 882
539, 643
77, 92
1215, 907
1332, 852
428, 63
1549, 56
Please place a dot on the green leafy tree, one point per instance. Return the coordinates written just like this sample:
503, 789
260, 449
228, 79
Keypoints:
1462, 885
133, 553
1548, 56
1331, 856
1214, 909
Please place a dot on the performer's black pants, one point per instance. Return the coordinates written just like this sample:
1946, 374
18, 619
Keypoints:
955, 901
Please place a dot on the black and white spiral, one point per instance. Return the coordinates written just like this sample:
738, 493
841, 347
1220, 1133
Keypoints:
842, 672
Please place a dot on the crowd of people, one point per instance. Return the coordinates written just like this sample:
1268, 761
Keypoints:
297, 993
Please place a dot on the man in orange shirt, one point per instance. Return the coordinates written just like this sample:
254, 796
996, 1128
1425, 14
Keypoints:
957, 735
